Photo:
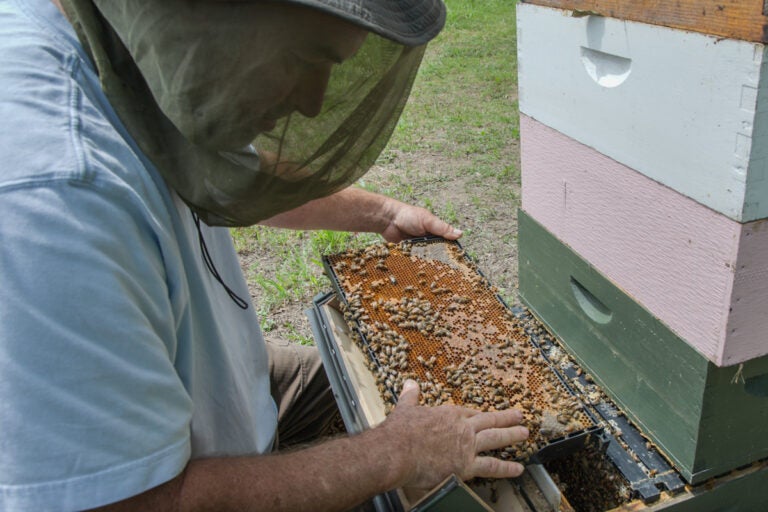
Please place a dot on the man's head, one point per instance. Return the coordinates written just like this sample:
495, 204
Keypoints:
320, 33
225, 71
281, 64
201, 83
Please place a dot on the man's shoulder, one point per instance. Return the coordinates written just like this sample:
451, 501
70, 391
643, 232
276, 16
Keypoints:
56, 124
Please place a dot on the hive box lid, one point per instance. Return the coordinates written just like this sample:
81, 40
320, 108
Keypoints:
745, 19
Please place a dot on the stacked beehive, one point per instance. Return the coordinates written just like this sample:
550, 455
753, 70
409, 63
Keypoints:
643, 234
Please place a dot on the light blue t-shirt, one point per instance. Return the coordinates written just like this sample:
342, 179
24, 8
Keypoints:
121, 356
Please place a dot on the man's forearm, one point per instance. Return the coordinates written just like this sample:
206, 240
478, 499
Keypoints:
355, 209
351, 209
332, 476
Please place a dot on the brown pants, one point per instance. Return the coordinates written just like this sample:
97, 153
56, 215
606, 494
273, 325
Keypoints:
305, 403
306, 408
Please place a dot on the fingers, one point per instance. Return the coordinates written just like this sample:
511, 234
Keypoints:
498, 429
493, 438
497, 419
416, 221
436, 226
490, 467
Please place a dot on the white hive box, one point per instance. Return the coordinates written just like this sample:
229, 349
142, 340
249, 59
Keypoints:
685, 109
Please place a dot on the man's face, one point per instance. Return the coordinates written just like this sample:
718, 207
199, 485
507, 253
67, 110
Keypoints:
229, 70
312, 42
300, 48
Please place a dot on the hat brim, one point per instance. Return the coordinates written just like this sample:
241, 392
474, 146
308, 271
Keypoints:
408, 22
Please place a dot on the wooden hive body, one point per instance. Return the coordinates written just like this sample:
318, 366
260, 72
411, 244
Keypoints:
645, 192
685, 109
707, 419
702, 274
736, 19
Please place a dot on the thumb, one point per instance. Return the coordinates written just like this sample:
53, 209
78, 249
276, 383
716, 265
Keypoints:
410, 393
439, 227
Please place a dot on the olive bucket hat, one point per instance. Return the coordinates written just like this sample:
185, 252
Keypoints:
408, 22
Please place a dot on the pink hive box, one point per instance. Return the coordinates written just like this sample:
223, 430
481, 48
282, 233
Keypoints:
702, 274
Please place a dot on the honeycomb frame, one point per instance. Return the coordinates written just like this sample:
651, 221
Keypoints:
421, 309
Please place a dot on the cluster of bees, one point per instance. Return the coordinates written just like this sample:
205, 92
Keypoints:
422, 311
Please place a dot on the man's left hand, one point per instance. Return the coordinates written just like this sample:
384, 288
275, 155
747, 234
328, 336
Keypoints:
409, 221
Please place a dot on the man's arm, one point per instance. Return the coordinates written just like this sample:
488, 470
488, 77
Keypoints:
355, 209
415, 447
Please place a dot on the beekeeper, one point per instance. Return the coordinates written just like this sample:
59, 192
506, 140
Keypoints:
133, 374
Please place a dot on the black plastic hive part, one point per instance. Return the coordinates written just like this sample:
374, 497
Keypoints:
647, 472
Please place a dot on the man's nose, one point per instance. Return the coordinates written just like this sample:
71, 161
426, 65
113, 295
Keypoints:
309, 92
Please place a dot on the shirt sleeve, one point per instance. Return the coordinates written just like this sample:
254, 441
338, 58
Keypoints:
92, 410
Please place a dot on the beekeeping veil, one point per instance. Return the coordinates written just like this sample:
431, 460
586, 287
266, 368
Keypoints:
181, 75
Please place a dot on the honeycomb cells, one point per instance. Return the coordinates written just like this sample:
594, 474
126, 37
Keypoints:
425, 312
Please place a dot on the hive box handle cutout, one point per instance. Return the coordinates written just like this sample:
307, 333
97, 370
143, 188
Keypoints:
590, 304
605, 69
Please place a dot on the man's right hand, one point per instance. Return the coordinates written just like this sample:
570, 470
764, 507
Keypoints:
438, 441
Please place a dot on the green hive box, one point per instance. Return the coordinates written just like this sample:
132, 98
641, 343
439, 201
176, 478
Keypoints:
708, 420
